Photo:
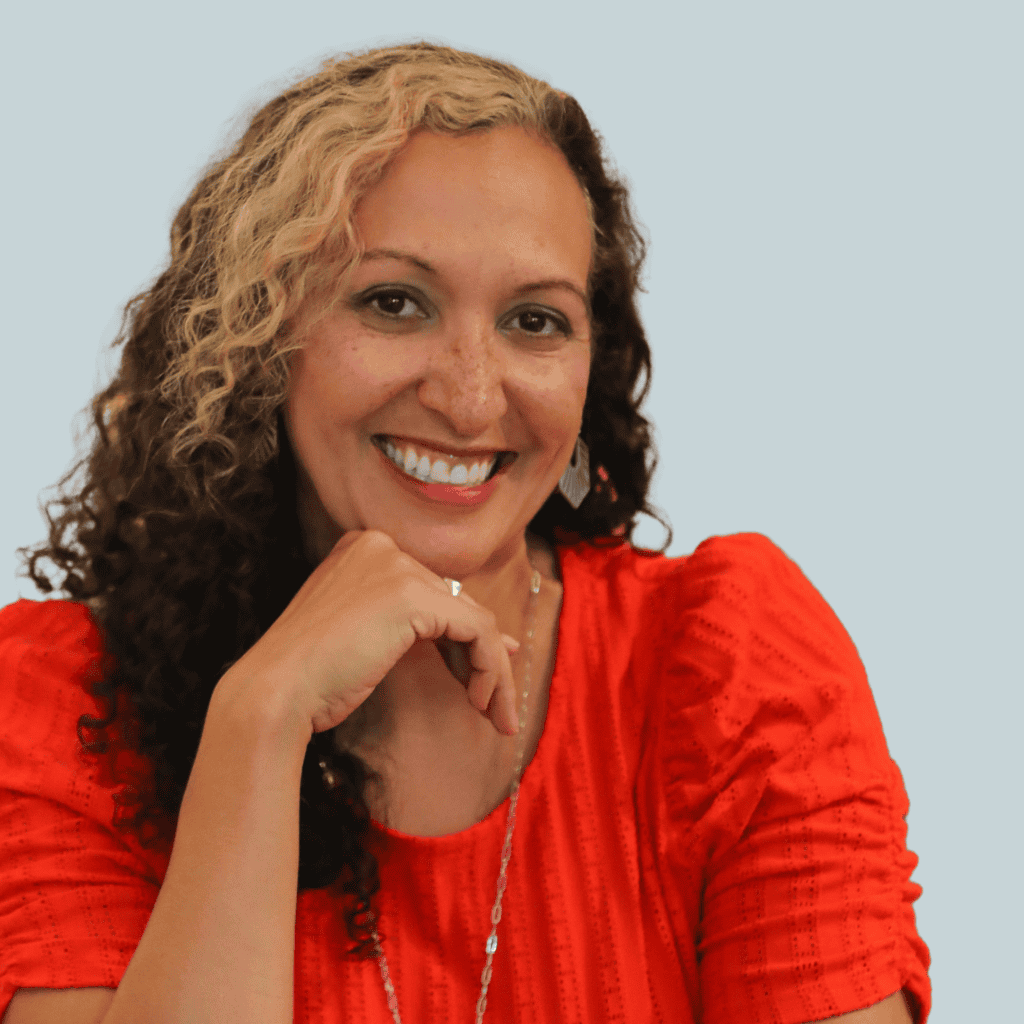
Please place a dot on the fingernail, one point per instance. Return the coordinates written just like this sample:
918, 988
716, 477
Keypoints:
511, 641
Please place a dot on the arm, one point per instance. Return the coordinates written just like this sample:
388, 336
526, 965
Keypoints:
220, 942
892, 1010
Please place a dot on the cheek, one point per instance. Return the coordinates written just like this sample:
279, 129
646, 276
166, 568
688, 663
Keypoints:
559, 407
577, 381
581, 379
335, 383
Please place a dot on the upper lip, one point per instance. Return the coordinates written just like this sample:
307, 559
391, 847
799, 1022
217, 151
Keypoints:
444, 447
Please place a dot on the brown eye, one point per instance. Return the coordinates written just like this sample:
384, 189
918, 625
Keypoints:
533, 321
396, 305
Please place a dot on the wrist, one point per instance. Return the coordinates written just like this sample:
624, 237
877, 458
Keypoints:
266, 705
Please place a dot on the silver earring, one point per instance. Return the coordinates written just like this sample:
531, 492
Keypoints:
575, 482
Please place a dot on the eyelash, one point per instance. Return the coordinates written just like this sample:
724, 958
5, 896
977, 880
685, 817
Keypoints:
561, 325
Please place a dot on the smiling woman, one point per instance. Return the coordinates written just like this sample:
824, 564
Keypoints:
345, 588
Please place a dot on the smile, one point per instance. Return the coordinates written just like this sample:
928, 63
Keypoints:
430, 466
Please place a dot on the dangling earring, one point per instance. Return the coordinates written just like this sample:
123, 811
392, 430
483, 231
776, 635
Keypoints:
575, 482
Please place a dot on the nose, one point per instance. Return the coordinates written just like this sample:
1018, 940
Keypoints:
466, 378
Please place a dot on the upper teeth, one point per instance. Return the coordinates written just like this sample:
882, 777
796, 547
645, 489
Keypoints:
429, 464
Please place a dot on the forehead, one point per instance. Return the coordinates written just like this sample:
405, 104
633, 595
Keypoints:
451, 192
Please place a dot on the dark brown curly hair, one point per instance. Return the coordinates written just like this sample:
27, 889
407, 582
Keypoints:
185, 540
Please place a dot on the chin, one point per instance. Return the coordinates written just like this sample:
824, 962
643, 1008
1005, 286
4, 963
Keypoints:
475, 557
454, 566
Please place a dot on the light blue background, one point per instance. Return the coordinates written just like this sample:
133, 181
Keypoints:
833, 197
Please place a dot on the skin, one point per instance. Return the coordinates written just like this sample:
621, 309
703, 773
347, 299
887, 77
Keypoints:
466, 357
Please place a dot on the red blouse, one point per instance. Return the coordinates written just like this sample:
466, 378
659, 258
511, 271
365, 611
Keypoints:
712, 829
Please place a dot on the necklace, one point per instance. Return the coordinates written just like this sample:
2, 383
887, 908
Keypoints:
506, 852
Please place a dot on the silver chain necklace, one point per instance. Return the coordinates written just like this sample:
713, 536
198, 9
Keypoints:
506, 852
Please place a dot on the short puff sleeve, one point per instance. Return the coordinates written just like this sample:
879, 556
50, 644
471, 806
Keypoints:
75, 893
781, 818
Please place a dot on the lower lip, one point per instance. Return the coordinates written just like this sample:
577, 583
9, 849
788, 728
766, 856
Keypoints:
445, 493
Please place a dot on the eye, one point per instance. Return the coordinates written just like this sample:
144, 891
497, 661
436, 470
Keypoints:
393, 304
534, 321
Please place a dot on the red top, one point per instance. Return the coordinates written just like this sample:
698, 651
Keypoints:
711, 830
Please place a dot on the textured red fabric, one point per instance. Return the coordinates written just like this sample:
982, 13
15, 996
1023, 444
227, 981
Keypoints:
712, 829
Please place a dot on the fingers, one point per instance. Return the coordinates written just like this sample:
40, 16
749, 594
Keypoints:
487, 669
456, 658
502, 708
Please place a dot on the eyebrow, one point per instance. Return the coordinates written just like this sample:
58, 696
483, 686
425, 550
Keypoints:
533, 286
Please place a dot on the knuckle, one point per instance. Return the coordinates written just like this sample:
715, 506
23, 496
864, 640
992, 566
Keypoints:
407, 563
408, 591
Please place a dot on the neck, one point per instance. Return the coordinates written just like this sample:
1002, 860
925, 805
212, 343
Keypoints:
504, 586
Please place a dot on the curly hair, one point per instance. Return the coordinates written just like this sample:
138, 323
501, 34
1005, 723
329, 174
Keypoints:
184, 538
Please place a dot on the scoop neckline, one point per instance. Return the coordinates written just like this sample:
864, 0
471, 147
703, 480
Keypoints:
536, 765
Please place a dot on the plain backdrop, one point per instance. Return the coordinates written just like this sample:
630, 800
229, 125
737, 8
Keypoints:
832, 194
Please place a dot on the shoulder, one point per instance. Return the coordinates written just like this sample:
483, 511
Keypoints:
740, 605
698, 618
47, 624
46, 641
735, 620
51, 660
50, 653
744, 650
52, 657
759, 678
741, 580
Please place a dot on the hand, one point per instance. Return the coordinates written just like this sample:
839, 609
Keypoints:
357, 614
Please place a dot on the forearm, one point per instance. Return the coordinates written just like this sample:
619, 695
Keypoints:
220, 943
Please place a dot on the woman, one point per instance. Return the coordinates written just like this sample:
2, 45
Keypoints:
347, 577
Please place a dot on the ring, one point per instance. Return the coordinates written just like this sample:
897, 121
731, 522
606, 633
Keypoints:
454, 584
